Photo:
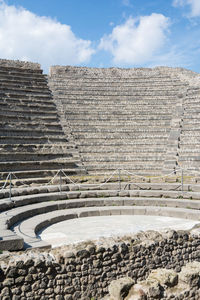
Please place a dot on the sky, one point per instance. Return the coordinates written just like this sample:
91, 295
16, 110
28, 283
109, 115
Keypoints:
102, 33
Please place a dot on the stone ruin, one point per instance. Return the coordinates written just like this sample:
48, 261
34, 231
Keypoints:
60, 136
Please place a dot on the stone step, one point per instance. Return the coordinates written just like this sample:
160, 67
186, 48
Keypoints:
191, 166
194, 133
22, 76
16, 112
120, 117
31, 125
119, 136
30, 118
121, 142
121, 93
22, 157
128, 83
189, 151
38, 148
30, 140
112, 99
25, 92
130, 148
132, 103
63, 163
57, 78
38, 81
140, 165
20, 106
189, 125
14, 71
42, 104
122, 159
25, 96
114, 110
9, 132
122, 130
25, 86
189, 158
118, 123
78, 89
42, 175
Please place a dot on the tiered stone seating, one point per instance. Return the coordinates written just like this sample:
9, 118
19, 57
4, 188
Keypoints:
32, 209
118, 118
32, 141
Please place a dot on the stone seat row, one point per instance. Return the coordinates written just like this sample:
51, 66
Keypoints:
15, 72
59, 78
37, 156
29, 209
21, 81
11, 113
25, 165
41, 176
109, 82
129, 149
32, 118
121, 93
31, 132
140, 169
118, 123
38, 148
118, 136
121, 143
26, 140
118, 89
24, 96
124, 111
28, 87
43, 104
23, 107
126, 130
31, 125
138, 185
115, 99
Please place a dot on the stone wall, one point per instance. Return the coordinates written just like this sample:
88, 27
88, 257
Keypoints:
85, 271
19, 64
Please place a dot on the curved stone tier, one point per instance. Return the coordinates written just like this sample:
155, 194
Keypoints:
31, 209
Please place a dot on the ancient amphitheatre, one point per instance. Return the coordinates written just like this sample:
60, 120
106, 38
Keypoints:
85, 142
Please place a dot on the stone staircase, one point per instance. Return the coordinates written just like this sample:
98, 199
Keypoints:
189, 145
119, 118
32, 141
185, 144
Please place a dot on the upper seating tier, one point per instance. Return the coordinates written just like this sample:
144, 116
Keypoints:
29, 120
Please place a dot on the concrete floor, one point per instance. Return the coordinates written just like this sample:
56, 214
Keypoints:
90, 228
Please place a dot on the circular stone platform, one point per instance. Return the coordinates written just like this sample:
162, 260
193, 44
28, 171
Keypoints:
92, 228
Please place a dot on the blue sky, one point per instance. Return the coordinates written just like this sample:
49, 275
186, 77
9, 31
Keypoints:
106, 33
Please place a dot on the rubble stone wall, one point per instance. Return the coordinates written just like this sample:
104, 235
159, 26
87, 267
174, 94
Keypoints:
86, 270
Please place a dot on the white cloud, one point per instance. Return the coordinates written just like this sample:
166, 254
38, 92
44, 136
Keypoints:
26, 36
126, 3
136, 41
194, 6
